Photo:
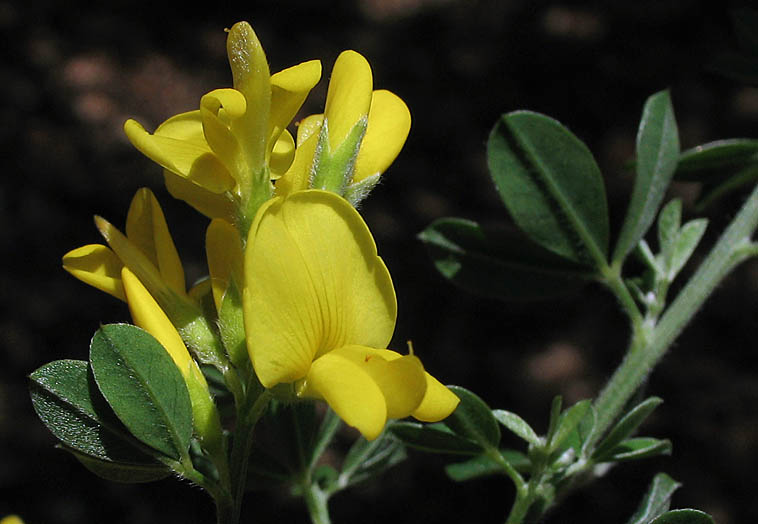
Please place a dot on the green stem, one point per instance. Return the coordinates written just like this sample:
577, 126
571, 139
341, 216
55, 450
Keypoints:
316, 500
732, 248
243, 440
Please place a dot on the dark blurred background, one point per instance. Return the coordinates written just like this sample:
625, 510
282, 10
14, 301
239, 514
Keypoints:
72, 72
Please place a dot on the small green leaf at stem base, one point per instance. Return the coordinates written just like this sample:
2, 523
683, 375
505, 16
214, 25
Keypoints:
473, 419
684, 516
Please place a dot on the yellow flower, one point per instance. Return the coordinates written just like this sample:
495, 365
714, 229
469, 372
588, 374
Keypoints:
148, 251
11, 519
319, 310
360, 134
220, 158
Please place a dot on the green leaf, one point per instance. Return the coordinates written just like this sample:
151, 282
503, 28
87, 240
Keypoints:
517, 425
121, 472
657, 157
482, 465
704, 161
579, 438
684, 516
668, 231
627, 425
656, 500
434, 438
688, 239
501, 264
67, 400
636, 448
551, 185
143, 386
567, 423
473, 419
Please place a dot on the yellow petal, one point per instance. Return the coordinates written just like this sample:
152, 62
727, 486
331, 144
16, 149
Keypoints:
12, 519
289, 88
308, 126
146, 227
187, 127
210, 204
252, 78
185, 158
217, 133
389, 122
438, 401
149, 316
350, 391
282, 155
349, 96
400, 377
313, 283
98, 266
223, 248
133, 258
298, 176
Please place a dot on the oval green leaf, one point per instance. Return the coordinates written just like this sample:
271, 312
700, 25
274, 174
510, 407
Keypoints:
657, 157
473, 419
702, 162
499, 264
551, 185
143, 386
67, 400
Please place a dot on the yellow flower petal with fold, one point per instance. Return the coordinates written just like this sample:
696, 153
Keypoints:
146, 227
319, 307
148, 315
289, 88
349, 96
98, 266
389, 123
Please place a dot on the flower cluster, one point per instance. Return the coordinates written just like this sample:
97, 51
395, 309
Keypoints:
295, 285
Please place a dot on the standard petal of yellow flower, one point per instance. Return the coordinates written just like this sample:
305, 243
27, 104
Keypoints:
98, 266
210, 204
146, 228
349, 390
289, 88
223, 248
313, 283
349, 96
148, 315
11, 519
282, 155
189, 159
389, 122
252, 78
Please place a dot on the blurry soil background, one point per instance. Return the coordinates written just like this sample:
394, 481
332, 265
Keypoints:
72, 73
